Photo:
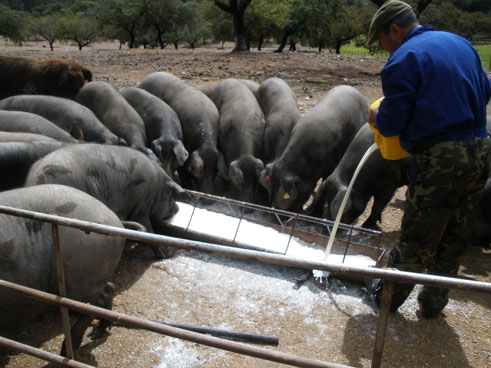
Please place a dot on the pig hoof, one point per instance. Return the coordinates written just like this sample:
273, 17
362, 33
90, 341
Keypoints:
95, 334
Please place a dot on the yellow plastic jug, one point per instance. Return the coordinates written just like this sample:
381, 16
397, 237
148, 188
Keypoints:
390, 147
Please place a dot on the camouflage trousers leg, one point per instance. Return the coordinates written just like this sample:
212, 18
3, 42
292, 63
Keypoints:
441, 203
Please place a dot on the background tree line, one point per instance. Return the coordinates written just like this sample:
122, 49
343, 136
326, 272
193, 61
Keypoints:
248, 23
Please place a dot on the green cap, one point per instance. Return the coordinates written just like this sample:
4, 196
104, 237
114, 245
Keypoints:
387, 13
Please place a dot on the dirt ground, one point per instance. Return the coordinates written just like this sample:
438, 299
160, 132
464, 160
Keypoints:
333, 322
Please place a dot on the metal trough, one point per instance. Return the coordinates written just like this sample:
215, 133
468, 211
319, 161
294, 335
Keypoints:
229, 222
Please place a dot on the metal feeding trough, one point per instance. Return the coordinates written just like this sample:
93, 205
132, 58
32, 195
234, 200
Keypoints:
225, 221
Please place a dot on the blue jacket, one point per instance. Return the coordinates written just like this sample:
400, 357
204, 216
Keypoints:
435, 90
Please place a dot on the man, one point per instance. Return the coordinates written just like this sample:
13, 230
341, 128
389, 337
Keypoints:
435, 99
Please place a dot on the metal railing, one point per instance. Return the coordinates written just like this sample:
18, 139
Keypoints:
390, 276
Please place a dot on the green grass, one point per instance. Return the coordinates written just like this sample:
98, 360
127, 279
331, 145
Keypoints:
483, 50
485, 54
353, 50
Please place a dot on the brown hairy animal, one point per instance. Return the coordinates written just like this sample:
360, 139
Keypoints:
56, 77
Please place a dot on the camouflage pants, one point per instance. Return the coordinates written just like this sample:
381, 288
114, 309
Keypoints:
441, 202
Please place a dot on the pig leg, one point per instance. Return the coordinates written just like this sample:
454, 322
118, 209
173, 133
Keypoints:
380, 200
77, 332
104, 300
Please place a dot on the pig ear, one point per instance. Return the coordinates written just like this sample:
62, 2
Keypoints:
196, 166
76, 131
122, 142
180, 152
157, 149
235, 173
87, 74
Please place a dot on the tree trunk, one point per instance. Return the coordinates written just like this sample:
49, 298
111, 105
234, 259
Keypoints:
260, 42
176, 44
132, 42
237, 8
239, 33
282, 43
51, 45
293, 45
159, 37
338, 47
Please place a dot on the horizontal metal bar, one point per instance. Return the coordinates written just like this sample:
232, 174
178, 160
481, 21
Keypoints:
120, 318
277, 211
41, 354
338, 269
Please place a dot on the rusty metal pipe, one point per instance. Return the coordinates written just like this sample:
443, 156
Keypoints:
120, 318
65, 319
384, 312
336, 269
41, 354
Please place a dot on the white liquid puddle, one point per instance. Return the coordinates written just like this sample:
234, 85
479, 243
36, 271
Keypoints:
252, 234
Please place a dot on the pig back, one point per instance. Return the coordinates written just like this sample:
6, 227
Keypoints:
27, 256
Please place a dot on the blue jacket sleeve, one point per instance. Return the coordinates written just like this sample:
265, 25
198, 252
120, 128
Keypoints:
401, 78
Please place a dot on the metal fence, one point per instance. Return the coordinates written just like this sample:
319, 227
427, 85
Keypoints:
390, 276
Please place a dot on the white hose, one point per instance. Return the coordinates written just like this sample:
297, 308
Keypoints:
365, 157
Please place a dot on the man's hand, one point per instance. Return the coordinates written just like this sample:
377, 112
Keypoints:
372, 113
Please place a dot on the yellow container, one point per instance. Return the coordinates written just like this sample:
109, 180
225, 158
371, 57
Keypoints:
390, 147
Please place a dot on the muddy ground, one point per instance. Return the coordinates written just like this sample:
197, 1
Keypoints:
334, 322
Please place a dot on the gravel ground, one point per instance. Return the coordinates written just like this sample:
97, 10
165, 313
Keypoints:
333, 322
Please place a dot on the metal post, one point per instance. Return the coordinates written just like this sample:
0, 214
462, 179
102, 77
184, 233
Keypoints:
382, 323
240, 221
65, 320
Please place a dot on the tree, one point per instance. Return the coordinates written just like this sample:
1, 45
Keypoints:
321, 14
298, 15
482, 6
110, 32
237, 8
221, 28
161, 16
445, 16
124, 14
175, 35
310, 19
418, 5
266, 19
347, 25
12, 24
46, 27
82, 30
195, 27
